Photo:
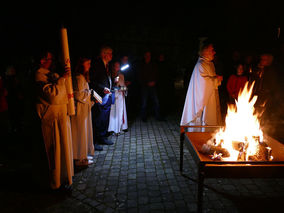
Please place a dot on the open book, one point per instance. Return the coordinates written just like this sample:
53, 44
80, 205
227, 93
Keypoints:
97, 96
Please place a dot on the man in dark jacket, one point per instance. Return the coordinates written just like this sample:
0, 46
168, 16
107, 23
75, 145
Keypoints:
148, 75
100, 81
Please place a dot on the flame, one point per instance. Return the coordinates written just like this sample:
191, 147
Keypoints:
242, 125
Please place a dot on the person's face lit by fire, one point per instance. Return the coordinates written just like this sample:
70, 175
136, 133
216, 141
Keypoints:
116, 68
87, 66
147, 57
46, 62
209, 52
106, 55
240, 69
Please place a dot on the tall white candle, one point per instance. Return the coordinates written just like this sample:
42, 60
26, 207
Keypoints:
67, 65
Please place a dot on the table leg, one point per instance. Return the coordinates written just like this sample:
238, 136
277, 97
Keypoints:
181, 152
200, 188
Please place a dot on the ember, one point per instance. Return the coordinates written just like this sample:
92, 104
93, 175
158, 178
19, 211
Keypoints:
242, 138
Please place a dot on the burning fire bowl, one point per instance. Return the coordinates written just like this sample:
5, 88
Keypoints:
216, 152
212, 168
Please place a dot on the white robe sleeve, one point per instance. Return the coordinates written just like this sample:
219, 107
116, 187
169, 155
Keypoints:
82, 92
207, 83
53, 93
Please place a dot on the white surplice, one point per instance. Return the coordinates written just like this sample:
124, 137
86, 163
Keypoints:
118, 116
55, 123
81, 122
202, 105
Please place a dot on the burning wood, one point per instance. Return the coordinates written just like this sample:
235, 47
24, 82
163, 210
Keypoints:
216, 156
216, 152
242, 138
210, 149
263, 153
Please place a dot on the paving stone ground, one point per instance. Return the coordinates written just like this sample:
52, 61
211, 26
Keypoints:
139, 173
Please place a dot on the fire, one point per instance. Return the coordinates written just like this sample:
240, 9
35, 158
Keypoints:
242, 134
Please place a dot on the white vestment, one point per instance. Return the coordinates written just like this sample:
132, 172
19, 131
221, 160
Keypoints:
81, 122
55, 124
118, 116
202, 106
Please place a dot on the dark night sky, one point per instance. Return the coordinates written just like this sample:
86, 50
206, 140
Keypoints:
25, 30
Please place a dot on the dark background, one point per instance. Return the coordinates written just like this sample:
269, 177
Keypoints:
172, 28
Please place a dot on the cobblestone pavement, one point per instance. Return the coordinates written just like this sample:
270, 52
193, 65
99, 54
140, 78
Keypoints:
140, 173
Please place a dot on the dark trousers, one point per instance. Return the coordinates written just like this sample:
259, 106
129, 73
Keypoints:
132, 101
100, 120
149, 92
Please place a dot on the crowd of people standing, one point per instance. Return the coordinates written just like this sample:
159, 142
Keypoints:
215, 83
125, 88
69, 141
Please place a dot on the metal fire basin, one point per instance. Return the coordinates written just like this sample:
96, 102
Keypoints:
193, 137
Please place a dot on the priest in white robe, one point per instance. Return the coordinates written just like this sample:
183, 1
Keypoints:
51, 107
202, 106
81, 122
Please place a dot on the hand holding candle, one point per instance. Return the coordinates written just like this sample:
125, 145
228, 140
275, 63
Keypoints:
67, 72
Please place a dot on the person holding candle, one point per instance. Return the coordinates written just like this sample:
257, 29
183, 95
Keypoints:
81, 122
101, 82
118, 116
51, 107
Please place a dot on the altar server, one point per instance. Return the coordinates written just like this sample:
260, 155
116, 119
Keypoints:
118, 116
51, 108
81, 122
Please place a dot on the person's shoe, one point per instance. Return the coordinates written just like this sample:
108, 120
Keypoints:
109, 134
89, 157
98, 147
105, 141
83, 163
90, 162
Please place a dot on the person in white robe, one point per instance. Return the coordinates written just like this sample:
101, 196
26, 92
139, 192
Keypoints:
81, 122
51, 107
118, 115
202, 106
